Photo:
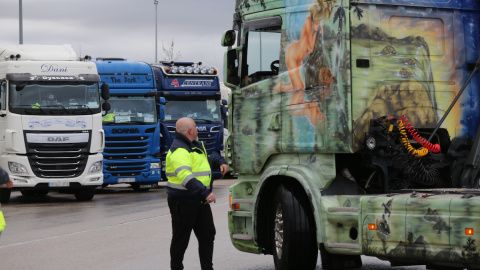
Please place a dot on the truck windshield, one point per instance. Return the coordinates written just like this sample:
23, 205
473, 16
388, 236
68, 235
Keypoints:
54, 97
199, 110
133, 110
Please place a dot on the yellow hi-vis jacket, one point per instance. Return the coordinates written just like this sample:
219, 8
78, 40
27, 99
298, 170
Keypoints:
187, 169
2, 220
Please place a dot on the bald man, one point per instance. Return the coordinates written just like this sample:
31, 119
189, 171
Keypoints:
188, 169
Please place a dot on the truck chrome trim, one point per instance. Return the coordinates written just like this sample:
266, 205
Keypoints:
343, 209
343, 245
250, 201
242, 237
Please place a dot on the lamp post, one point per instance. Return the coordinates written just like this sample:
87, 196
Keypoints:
20, 21
155, 2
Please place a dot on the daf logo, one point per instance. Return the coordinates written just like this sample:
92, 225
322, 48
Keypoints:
57, 139
201, 128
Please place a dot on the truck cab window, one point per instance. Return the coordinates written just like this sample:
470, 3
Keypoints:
263, 52
3, 95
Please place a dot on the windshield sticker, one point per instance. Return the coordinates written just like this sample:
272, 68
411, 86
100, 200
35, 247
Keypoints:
79, 122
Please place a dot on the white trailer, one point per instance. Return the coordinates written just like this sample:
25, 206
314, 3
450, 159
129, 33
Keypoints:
51, 134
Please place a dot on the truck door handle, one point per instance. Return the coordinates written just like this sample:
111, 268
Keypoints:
275, 122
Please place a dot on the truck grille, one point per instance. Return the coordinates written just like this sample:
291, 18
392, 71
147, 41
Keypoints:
55, 160
125, 155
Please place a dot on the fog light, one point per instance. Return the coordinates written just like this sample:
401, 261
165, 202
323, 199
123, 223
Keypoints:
95, 179
17, 168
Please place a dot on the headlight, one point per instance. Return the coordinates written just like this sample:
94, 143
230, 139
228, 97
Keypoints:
189, 70
181, 69
155, 165
174, 69
211, 71
96, 167
17, 168
196, 70
203, 70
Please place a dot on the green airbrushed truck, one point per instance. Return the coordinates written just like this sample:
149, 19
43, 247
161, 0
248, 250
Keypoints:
354, 131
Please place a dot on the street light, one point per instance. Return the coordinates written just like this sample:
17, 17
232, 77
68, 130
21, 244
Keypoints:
155, 2
20, 22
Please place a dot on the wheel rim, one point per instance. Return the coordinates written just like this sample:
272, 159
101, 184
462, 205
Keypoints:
278, 228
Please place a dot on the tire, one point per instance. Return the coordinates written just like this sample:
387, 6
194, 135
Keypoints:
141, 187
28, 193
84, 194
5, 195
294, 242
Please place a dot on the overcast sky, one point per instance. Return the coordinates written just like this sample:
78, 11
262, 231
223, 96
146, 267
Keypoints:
122, 28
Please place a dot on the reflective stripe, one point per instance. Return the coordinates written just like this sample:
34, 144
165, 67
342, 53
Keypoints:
175, 186
204, 173
181, 168
170, 174
187, 179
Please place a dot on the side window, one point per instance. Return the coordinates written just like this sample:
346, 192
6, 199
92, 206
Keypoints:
262, 53
3, 95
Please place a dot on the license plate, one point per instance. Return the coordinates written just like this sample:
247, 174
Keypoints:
126, 180
59, 184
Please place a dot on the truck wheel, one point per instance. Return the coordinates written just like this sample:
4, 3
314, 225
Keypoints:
5, 195
294, 242
85, 194
139, 187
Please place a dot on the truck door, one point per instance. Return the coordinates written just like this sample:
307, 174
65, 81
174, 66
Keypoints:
257, 111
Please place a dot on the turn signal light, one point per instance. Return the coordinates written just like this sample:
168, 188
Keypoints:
372, 226
468, 231
234, 206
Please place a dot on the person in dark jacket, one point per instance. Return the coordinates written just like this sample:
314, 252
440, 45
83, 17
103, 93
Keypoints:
189, 190
4, 180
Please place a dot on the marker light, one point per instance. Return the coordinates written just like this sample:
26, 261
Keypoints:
167, 69
234, 206
372, 226
468, 231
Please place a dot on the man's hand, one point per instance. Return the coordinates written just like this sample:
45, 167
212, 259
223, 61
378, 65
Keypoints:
224, 169
211, 198
9, 184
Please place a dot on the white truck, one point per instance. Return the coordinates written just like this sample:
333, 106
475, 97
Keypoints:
51, 135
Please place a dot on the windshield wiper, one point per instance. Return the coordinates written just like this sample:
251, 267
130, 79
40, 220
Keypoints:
58, 105
83, 107
201, 119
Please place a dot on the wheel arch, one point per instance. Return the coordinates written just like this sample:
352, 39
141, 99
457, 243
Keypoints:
268, 186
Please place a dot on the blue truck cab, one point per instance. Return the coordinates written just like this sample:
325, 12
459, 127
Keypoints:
132, 138
191, 90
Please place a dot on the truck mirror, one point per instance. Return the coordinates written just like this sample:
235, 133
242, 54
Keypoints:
106, 106
228, 38
163, 100
105, 91
224, 102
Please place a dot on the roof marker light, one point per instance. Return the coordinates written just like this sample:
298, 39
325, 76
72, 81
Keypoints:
372, 226
468, 231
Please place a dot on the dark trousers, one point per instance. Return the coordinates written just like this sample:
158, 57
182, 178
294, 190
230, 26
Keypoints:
185, 217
